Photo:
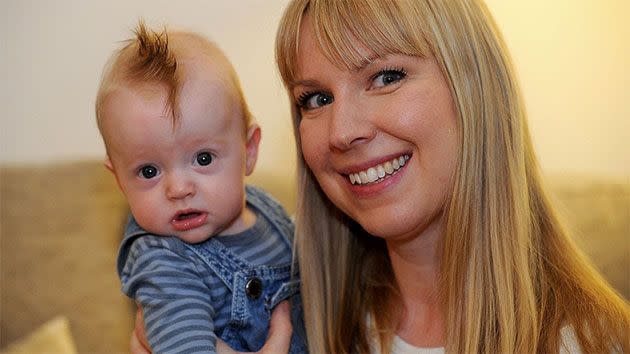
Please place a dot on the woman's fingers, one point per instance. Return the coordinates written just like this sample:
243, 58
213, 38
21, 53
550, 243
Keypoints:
279, 331
139, 343
137, 347
223, 348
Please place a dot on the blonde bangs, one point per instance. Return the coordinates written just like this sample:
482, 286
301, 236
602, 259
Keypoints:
345, 30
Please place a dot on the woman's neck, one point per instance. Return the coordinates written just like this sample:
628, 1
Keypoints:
415, 263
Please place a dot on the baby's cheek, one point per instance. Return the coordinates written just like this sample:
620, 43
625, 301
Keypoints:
148, 216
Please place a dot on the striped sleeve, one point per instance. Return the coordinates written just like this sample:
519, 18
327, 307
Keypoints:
175, 301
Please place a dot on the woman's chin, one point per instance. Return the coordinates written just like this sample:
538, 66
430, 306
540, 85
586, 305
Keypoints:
399, 227
386, 229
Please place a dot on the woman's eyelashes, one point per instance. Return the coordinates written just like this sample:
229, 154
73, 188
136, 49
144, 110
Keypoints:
311, 100
315, 99
387, 77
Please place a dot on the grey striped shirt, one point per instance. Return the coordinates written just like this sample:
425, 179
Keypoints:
185, 304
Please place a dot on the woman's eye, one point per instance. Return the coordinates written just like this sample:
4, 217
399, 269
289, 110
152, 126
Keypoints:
204, 158
148, 171
388, 77
314, 100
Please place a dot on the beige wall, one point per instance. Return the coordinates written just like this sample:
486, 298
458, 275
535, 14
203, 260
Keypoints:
571, 55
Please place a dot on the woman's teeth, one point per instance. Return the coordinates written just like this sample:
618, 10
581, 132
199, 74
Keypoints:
379, 171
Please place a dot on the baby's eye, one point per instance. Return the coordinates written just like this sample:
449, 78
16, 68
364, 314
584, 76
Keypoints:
312, 100
387, 77
204, 158
148, 171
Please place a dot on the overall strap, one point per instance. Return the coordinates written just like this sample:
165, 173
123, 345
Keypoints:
223, 262
272, 211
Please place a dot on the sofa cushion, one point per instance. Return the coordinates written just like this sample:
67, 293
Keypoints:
597, 212
61, 225
53, 337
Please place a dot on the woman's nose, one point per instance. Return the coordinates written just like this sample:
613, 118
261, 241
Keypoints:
350, 125
179, 186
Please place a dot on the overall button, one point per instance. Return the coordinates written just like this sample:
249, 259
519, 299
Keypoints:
253, 288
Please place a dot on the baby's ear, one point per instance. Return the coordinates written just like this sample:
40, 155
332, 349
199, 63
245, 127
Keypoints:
251, 148
108, 164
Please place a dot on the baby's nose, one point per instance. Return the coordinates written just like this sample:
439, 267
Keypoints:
179, 187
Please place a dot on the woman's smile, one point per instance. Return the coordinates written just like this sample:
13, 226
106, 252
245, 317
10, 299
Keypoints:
379, 172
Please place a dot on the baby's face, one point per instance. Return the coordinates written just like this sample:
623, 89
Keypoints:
185, 181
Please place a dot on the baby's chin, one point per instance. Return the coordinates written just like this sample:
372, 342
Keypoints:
193, 237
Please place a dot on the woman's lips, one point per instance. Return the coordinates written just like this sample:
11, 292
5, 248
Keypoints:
378, 172
188, 220
378, 186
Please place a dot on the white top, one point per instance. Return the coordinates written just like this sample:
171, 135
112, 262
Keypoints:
399, 346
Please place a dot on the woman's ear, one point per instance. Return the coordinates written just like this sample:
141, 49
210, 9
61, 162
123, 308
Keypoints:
251, 148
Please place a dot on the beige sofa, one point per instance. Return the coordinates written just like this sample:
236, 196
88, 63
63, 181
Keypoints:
61, 224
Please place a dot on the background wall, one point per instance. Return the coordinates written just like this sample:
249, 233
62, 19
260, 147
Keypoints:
55, 52
571, 55
572, 58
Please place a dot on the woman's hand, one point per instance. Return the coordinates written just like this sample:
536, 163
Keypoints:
139, 343
280, 330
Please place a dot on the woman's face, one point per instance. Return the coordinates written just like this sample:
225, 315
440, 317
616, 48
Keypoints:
381, 140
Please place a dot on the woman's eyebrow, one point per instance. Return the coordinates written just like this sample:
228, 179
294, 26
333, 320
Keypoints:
367, 61
363, 64
305, 83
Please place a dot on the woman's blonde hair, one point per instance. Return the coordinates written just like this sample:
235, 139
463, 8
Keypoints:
511, 278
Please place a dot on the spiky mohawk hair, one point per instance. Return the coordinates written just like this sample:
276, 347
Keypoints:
146, 58
152, 57
153, 61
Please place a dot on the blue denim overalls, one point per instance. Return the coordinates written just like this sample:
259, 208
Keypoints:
256, 290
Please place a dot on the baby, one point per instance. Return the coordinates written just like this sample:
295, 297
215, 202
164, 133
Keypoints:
204, 255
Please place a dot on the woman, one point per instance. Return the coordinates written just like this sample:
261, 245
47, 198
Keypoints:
468, 253
422, 221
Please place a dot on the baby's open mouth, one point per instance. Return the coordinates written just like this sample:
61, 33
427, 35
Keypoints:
189, 219
187, 215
